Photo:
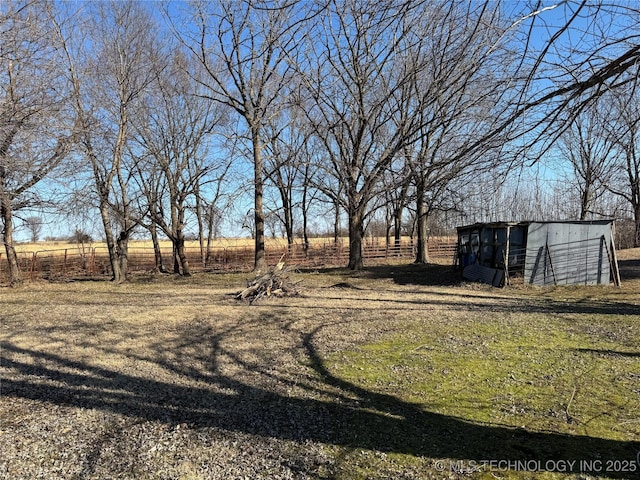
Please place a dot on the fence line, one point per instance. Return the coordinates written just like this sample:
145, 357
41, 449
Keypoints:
60, 264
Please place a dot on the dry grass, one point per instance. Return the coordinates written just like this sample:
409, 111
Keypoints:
166, 244
140, 244
59, 247
394, 372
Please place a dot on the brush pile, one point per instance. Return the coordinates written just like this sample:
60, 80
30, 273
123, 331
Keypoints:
274, 283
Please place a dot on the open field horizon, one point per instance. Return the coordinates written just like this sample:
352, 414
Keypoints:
59, 260
239, 242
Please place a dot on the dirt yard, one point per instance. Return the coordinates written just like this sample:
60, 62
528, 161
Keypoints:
396, 372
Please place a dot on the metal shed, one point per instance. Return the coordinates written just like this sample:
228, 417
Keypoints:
541, 253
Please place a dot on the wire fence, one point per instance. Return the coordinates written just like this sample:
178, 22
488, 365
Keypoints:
89, 261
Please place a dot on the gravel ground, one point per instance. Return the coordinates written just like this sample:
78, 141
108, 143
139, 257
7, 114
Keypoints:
177, 380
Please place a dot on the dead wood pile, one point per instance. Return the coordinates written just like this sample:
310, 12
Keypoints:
275, 282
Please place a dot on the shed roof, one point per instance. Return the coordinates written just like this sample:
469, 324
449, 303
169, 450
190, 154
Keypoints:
494, 225
529, 222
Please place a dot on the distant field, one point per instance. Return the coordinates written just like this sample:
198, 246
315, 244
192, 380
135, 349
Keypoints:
147, 244
60, 260
393, 372
166, 244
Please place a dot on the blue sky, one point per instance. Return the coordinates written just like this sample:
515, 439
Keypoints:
552, 15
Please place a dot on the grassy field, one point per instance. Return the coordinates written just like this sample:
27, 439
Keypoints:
394, 372
29, 247
137, 246
143, 244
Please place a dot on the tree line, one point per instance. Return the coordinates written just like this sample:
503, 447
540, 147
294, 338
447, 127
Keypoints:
162, 115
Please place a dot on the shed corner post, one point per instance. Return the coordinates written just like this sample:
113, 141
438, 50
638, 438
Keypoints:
506, 255
614, 258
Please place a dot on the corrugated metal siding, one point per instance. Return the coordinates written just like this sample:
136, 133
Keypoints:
568, 253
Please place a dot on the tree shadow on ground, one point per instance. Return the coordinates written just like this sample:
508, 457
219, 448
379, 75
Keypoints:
497, 304
335, 411
608, 352
448, 276
417, 274
405, 274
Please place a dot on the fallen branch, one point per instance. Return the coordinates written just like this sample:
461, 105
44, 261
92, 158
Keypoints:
273, 283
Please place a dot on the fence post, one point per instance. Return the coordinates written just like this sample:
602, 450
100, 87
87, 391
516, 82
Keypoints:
34, 259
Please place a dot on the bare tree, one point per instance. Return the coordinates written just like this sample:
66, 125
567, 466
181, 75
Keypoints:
585, 55
150, 182
245, 48
324, 187
308, 174
173, 125
308, 198
397, 194
395, 80
588, 147
287, 167
209, 211
547, 87
357, 73
34, 225
625, 181
36, 126
213, 218
108, 77
573, 62
465, 102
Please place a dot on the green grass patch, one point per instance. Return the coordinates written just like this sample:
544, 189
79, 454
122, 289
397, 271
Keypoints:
534, 372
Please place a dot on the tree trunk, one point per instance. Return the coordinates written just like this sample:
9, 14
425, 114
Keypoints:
210, 226
288, 220
305, 219
387, 226
336, 222
260, 260
200, 225
585, 200
176, 234
181, 256
287, 208
397, 228
356, 234
157, 252
116, 274
15, 277
122, 250
176, 259
422, 215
